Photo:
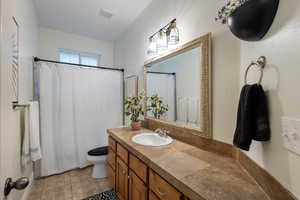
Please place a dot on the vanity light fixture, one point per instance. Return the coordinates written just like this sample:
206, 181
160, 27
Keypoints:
168, 35
173, 34
152, 49
162, 42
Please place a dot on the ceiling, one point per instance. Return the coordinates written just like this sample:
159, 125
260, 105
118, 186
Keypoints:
82, 16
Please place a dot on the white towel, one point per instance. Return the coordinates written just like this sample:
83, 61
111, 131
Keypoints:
25, 138
34, 131
181, 110
193, 110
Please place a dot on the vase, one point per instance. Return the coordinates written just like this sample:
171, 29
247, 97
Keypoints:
252, 20
136, 125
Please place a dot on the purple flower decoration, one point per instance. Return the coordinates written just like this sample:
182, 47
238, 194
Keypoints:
228, 9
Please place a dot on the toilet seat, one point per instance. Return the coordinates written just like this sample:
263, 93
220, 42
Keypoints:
98, 151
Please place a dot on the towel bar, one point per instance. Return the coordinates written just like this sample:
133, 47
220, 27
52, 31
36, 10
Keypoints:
260, 63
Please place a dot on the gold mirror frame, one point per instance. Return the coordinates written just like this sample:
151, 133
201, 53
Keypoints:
205, 43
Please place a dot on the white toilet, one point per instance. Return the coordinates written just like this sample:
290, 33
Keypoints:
98, 157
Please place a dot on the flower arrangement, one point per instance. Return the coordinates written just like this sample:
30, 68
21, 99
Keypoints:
228, 9
135, 107
157, 107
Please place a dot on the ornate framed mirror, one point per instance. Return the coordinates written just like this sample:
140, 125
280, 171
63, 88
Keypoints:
179, 87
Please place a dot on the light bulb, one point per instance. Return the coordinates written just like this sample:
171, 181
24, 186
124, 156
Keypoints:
173, 34
162, 42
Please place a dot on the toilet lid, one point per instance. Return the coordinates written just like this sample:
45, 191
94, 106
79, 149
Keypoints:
100, 151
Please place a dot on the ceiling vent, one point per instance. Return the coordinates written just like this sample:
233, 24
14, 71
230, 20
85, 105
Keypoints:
105, 13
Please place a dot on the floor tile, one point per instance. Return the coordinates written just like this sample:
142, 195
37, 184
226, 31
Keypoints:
72, 185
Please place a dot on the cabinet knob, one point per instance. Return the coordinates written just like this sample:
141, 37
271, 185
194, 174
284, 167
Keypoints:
160, 192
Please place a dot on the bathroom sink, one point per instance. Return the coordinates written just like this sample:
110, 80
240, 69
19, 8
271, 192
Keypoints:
151, 139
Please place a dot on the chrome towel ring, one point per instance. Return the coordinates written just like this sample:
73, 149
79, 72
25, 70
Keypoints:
260, 63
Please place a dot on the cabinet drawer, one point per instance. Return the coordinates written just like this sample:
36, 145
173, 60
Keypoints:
111, 158
138, 167
122, 153
112, 143
111, 177
162, 188
152, 196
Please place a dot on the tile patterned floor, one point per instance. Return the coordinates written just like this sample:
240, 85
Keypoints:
73, 185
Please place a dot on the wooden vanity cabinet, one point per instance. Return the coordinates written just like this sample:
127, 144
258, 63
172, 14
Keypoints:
112, 143
111, 176
134, 180
111, 162
122, 153
162, 188
152, 196
138, 167
111, 159
137, 188
121, 179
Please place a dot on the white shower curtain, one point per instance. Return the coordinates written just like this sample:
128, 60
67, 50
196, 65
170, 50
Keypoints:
77, 105
164, 86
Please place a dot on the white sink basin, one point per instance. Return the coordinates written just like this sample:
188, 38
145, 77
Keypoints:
151, 139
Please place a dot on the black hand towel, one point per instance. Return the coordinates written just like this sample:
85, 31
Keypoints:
245, 123
262, 126
252, 118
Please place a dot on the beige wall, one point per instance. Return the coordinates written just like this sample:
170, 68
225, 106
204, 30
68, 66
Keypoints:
230, 58
281, 80
10, 136
195, 18
52, 40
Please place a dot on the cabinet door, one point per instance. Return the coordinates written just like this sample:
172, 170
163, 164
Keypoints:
137, 188
111, 176
122, 180
139, 168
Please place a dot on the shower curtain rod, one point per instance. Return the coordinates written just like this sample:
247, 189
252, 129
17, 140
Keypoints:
168, 73
36, 59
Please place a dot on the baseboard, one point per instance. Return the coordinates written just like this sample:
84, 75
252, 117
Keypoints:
28, 189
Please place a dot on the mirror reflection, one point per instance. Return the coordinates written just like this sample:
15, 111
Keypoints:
174, 87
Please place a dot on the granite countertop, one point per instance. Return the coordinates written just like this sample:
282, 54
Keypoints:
196, 173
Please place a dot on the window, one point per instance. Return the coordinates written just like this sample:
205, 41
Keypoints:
70, 56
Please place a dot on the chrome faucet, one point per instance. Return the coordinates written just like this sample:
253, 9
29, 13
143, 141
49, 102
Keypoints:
162, 132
